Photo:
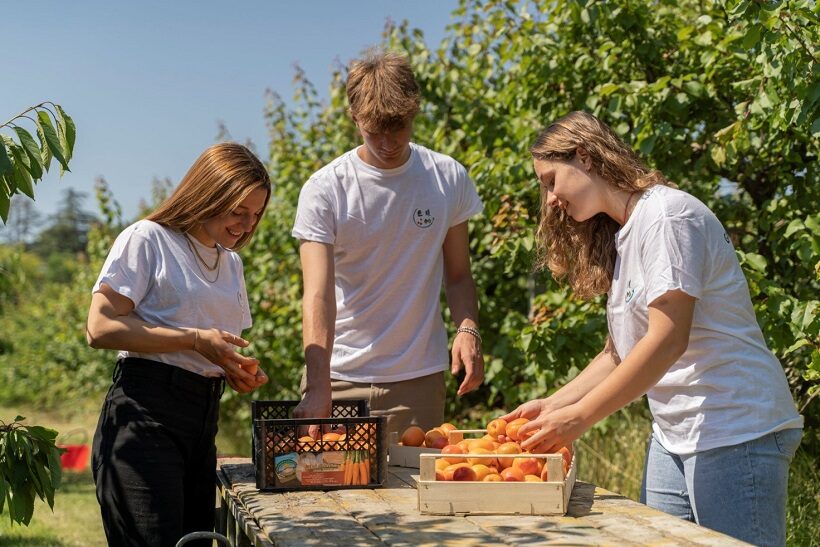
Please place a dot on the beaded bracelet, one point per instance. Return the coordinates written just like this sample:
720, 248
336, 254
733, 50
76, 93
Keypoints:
470, 330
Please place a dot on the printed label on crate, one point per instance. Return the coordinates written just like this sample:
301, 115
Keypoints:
286, 466
324, 468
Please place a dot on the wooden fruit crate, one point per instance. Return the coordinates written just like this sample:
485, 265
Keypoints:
501, 498
408, 456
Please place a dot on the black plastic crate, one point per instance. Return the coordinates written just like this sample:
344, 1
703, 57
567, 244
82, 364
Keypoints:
286, 460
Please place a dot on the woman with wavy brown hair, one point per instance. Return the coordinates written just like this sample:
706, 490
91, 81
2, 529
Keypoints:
171, 298
682, 330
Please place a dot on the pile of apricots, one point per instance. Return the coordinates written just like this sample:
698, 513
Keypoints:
500, 441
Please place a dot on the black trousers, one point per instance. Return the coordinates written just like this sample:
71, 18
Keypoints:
154, 454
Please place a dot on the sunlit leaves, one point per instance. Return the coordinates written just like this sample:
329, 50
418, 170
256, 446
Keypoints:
29, 469
23, 161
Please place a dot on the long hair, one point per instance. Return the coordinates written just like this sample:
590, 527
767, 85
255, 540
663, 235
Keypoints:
382, 91
218, 181
584, 252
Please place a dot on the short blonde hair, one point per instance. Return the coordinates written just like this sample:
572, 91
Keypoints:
584, 252
218, 181
382, 91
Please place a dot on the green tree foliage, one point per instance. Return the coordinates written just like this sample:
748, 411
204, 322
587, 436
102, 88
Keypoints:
724, 99
24, 161
29, 468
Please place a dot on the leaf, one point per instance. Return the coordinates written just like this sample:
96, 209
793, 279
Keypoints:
69, 132
45, 151
5, 161
607, 89
794, 226
21, 171
5, 203
752, 37
51, 138
648, 144
30, 146
815, 127
755, 261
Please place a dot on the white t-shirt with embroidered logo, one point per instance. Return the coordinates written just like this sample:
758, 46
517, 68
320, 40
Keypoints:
387, 227
155, 268
727, 388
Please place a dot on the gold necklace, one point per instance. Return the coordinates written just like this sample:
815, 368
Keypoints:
201, 261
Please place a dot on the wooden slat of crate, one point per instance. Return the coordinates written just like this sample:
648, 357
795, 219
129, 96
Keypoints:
408, 456
522, 498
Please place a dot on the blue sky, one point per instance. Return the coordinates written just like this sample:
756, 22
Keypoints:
147, 82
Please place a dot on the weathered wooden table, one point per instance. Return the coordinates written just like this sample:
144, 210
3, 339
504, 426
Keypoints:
390, 516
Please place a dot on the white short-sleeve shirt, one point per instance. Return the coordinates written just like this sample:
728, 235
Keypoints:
156, 269
727, 388
387, 227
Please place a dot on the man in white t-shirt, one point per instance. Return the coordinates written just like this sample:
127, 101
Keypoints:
380, 228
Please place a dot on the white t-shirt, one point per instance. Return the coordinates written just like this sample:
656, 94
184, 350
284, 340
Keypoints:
387, 227
727, 388
155, 268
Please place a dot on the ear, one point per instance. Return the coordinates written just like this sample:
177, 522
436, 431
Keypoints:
584, 158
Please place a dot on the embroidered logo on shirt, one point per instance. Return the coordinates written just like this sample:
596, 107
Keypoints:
726, 237
630, 291
423, 218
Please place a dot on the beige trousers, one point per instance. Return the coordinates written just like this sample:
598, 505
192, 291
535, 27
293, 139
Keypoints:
418, 401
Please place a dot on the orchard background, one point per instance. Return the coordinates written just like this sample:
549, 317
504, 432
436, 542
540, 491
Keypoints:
724, 98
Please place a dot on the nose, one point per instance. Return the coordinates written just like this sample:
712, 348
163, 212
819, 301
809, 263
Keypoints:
247, 222
552, 199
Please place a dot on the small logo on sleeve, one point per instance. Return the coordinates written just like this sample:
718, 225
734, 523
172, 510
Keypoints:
423, 218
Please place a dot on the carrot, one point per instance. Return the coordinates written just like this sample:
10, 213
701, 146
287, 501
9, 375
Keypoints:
347, 469
367, 471
363, 469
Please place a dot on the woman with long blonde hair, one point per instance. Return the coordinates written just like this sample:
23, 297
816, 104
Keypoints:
682, 330
171, 298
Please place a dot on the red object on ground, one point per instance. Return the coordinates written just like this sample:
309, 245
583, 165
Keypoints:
75, 457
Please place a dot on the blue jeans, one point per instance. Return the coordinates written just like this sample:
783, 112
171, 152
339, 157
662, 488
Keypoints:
738, 490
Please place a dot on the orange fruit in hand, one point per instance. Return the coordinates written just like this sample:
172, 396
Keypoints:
412, 436
512, 428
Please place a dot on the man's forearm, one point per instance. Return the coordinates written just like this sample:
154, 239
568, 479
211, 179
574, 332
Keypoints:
463, 302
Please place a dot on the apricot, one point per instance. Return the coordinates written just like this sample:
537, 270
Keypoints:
481, 471
447, 427
431, 436
413, 436
440, 475
544, 475
532, 478
512, 428
567, 455
331, 437
464, 474
485, 461
511, 474
493, 477
507, 448
442, 464
450, 469
528, 466
496, 427
453, 449
438, 442
486, 444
